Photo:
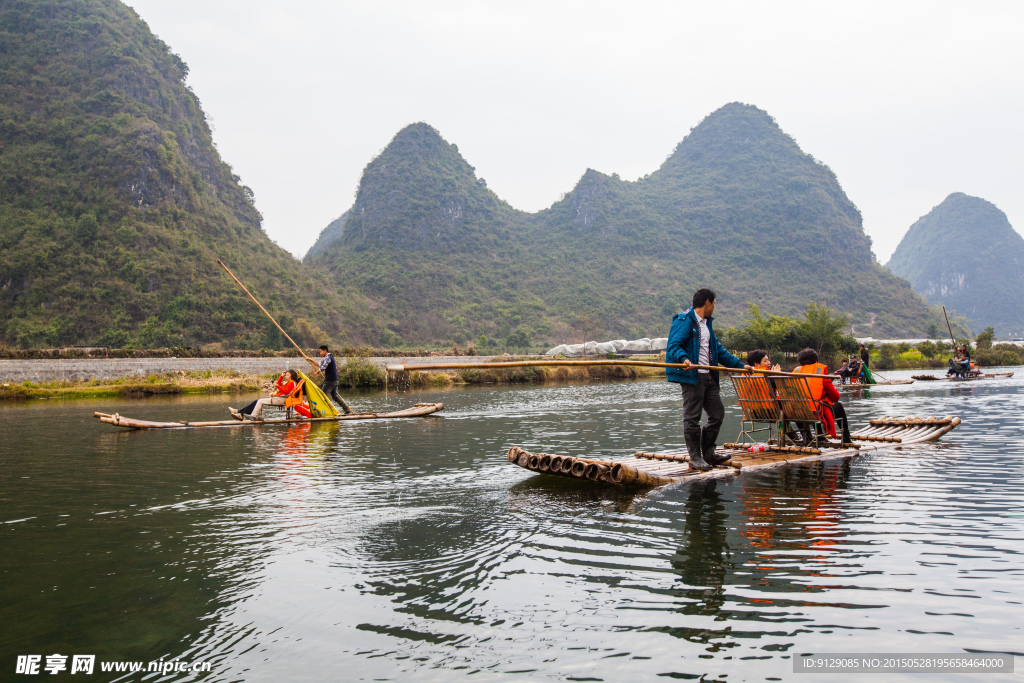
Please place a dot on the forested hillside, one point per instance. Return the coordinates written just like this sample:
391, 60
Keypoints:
737, 206
965, 254
115, 205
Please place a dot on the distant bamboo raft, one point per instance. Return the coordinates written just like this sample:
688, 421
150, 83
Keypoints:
878, 383
643, 469
987, 375
418, 410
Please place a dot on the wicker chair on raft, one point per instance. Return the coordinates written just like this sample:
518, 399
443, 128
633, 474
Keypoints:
775, 402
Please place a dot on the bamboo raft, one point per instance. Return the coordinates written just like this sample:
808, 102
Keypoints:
657, 469
419, 410
879, 383
990, 375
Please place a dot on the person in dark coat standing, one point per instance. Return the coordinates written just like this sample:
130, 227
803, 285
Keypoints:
692, 341
329, 367
865, 355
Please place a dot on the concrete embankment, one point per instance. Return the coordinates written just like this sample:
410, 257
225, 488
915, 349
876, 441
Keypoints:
78, 370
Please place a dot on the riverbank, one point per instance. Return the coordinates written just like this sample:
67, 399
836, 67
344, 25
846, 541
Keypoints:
894, 358
47, 370
360, 373
183, 382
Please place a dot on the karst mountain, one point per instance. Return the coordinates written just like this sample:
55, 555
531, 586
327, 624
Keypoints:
737, 206
114, 203
965, 255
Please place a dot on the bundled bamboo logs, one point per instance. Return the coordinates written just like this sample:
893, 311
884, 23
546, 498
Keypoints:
887, 439
644, 469
564, 465
677, 457
624, 472
806, 450
931, 420
627, 475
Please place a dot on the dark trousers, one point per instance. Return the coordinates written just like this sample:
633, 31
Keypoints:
331, 389
703, 397
839, 415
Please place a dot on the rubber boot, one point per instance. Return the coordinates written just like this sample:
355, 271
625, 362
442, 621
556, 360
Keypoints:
693, 447
708, 441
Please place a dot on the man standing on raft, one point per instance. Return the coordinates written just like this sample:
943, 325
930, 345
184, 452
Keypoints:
329, 368
692, 338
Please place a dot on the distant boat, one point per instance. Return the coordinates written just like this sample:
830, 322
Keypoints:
419, 410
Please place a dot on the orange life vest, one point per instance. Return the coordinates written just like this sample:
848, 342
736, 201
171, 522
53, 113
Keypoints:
295, 397
817, 385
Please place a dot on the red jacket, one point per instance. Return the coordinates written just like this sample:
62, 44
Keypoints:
829, 397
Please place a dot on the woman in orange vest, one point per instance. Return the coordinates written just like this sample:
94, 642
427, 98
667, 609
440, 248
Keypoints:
822, 389
759, 361
289, 394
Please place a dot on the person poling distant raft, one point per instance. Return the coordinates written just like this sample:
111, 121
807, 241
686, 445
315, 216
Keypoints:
692, 338
329, 368
326, 365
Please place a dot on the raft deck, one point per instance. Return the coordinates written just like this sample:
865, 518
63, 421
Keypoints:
865, 385
989, 375
419, 410
658, 469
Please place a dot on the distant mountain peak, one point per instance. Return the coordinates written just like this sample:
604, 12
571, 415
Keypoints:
733, 131
965, 255
421, 141
420, 193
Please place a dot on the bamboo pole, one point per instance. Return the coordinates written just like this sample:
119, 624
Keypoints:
949, 327
265, 312
397, 367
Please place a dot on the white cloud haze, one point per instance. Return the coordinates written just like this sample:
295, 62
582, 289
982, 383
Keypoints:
906, 102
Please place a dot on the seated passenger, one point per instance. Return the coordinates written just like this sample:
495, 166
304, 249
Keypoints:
960, 363
829, 409
759, 361
288, 388
958, 366
843, 372
856, 368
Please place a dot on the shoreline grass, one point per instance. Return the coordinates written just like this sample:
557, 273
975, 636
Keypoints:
355, 374
361, 374
171, 383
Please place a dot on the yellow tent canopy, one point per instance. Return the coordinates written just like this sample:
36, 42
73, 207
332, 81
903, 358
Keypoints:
319, 404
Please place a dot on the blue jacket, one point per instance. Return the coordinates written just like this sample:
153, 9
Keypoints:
684, 344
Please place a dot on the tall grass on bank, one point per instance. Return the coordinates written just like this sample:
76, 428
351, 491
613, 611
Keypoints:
363, 374
182, 382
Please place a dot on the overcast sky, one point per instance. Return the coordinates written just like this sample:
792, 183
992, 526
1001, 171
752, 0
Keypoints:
906, 102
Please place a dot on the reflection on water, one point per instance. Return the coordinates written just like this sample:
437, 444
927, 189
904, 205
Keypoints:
390, 550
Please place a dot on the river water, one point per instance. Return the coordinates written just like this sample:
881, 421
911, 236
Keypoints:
411, 550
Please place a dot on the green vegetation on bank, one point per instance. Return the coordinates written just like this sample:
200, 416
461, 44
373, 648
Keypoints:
354, 373
965, 254
821, 329
184, 382
217, 352
928, 354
